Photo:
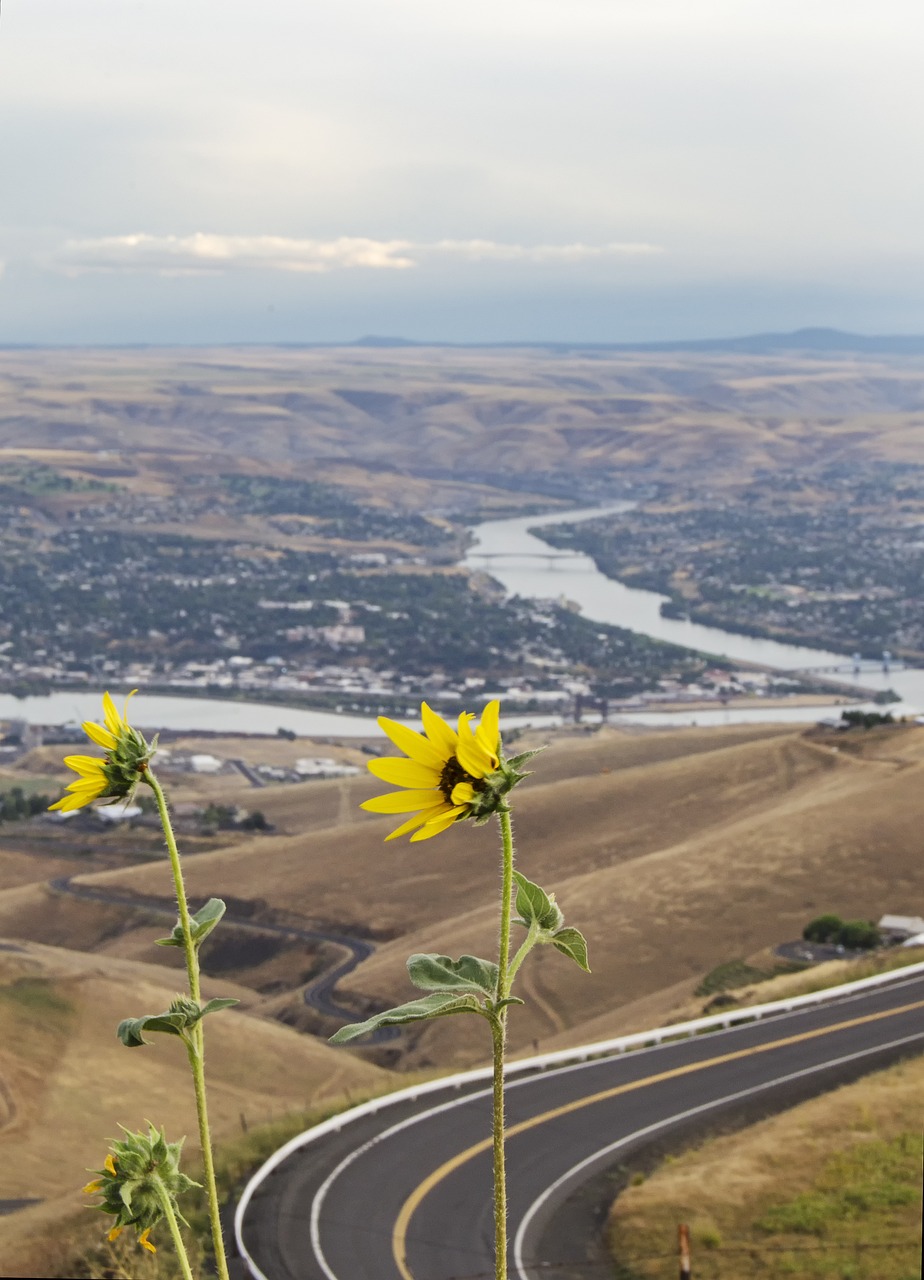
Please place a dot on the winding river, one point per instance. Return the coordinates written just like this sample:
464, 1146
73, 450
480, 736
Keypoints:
529, 567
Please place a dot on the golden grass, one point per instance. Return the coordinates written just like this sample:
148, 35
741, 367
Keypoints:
840, 1174
71, 1082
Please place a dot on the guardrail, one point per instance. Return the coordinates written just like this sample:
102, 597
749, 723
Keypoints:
540, 1062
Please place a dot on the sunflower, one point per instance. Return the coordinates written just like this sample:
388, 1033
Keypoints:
450, 774
116, 775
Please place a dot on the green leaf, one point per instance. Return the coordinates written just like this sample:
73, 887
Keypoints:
534, 904
438, 1005
179, 1018
440, 973
220, 1002
571, 942
130, 1029
201, 925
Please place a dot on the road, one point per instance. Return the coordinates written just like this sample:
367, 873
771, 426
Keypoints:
405, 1194
317, 994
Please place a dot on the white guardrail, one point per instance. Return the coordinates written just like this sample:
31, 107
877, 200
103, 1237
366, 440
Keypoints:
602, 1049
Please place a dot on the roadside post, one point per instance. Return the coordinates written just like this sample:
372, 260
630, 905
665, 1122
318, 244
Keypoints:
683, 1234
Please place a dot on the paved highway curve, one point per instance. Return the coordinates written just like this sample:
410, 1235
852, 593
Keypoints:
405, 1194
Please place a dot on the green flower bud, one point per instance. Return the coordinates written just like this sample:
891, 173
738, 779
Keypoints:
139, 1173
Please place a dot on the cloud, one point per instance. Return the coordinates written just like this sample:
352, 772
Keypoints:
207, 254
492, 251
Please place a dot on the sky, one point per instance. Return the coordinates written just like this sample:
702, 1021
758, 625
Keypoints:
199, 171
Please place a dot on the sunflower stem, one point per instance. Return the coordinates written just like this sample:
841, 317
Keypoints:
499, 1040
195, 1050
525, 947
174, 1226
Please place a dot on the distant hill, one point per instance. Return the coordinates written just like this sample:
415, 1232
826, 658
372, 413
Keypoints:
800, 340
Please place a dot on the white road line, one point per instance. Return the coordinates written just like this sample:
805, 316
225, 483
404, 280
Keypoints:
602, 1157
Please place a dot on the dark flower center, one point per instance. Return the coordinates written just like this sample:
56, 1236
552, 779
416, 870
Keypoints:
452, 774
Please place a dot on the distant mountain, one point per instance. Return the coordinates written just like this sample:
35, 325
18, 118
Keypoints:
833, 340
812, 339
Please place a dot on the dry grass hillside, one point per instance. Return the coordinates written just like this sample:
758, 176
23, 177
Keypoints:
66, 1082
674, 852
436, 412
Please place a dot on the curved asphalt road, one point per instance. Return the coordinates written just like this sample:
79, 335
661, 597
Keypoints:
317, 994
405, 1194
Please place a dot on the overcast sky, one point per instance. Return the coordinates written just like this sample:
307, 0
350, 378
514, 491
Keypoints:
600, 170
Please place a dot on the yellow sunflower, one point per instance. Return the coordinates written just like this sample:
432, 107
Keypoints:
118, 772
450, 774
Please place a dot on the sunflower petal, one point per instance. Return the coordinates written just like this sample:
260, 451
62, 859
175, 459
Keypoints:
145, 1242
463, 793
88, 786
86, 766
404, 773
403, 802
470, 754
102, 737
438, 824
66, 803
488, 732
417, 821
438, 731
111, 715
413, 744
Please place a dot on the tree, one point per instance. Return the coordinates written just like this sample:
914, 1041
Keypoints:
858, 935
823, 929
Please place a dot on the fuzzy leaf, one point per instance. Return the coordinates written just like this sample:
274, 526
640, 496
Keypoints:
182, 1015
130, 1029
571, 942
534, 904
201, 925
438, 1005
220, 1002
440, 973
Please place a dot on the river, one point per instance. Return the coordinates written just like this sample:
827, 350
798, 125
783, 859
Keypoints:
525, 566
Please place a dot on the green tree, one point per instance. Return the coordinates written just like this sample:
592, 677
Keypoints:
823, 929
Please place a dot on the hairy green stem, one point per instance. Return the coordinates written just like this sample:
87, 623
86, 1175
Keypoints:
526, 947
499, 1039
179, 1246
195, 1049
498, 1034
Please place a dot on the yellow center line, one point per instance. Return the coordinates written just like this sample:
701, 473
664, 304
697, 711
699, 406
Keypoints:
399, 1235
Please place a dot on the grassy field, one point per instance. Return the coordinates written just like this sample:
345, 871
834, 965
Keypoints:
830, 1190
